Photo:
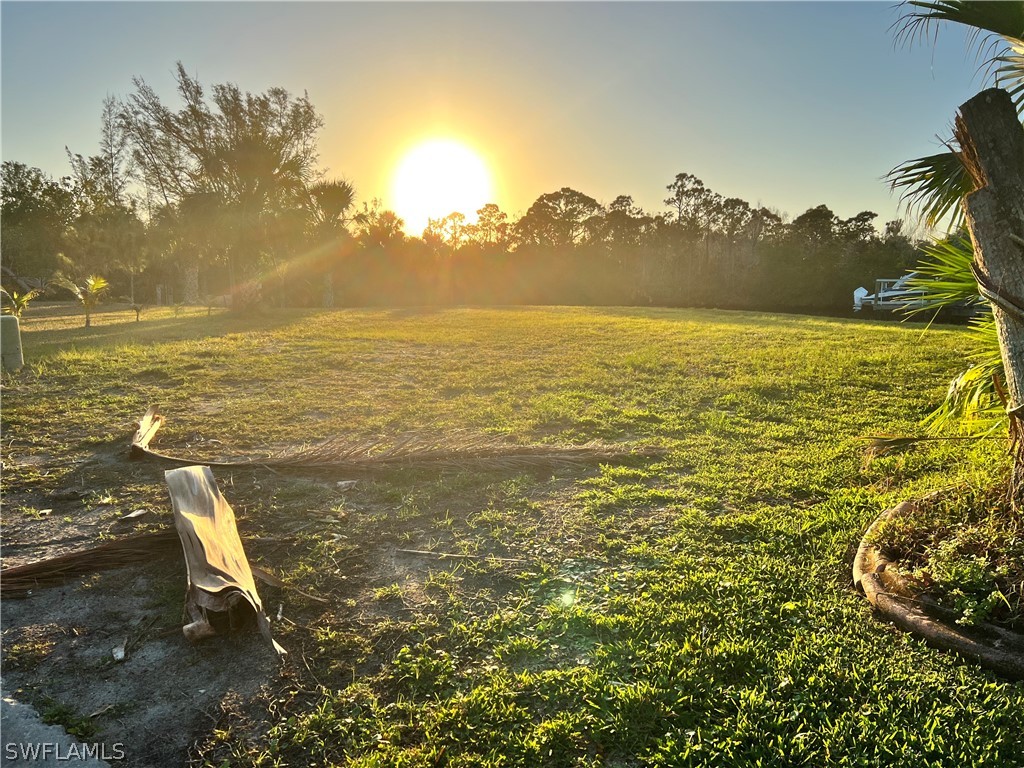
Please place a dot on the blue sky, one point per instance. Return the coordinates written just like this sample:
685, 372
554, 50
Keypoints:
784, 104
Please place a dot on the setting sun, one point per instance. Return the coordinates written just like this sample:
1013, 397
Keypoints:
436, 178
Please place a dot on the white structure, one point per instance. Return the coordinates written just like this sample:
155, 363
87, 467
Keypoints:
890, 294
11, 357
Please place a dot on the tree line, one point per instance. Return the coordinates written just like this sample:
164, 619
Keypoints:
222, 196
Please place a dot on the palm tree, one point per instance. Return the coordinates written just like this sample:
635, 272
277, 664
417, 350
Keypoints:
89, 293
936, 185
329, 206
330, 202
16, 302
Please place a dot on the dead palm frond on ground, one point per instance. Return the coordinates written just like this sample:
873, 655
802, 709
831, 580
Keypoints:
459, 449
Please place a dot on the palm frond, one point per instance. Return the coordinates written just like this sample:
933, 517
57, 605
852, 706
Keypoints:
20, 580
985, 19
457, 449
95, 285
16, 302
882, 445
944, 277
933, 186
68, 284
1009, 72
974, 403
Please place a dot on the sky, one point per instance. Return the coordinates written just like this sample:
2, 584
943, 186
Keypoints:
787, 105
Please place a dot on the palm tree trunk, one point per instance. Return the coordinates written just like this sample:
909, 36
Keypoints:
328, 300
191, 292
992, 150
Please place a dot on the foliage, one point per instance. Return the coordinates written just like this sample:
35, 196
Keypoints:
234, 202
944, 279
35, 213
89, 293
963, 548
249, 158
934, 186
937, 185
973, 404
16, 303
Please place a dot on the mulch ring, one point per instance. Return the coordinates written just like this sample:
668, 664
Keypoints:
993, 647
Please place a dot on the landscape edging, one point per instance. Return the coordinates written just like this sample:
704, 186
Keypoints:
889, 595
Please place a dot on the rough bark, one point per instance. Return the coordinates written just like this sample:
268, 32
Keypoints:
191, 292
992, 149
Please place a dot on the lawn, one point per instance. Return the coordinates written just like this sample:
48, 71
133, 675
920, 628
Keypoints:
690, 609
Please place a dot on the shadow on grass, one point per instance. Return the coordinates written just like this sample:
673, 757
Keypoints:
43, 342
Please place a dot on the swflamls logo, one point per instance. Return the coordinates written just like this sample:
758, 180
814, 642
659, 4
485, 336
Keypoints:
36, 751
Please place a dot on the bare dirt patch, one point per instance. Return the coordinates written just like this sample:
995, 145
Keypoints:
165, 690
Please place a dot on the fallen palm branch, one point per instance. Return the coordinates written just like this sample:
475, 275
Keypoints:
880, 445
459, 449
19, 580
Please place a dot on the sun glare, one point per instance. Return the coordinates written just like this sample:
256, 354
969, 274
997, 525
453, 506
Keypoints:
439, 177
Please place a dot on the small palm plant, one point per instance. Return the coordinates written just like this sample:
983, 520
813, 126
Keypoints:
89, 293
15, 303
936, 185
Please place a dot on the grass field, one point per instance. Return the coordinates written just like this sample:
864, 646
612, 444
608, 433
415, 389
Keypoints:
689, 610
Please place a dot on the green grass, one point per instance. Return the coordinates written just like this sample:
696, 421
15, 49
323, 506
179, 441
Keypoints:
694, 610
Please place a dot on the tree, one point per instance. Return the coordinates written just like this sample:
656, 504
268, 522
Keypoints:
108, 239
735, 220
449, 232
491, 229
104, 178
108, 233
687, 200
815, 227
559, 219
254, 154
378, 228
35, 215
329, 206
89, 293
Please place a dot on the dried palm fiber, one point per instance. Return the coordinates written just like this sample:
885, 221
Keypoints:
881, 445
221, 592
458, 448
19, 580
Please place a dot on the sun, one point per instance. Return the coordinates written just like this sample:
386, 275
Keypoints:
439, 177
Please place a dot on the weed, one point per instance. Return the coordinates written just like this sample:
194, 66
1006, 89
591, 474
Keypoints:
55, 713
